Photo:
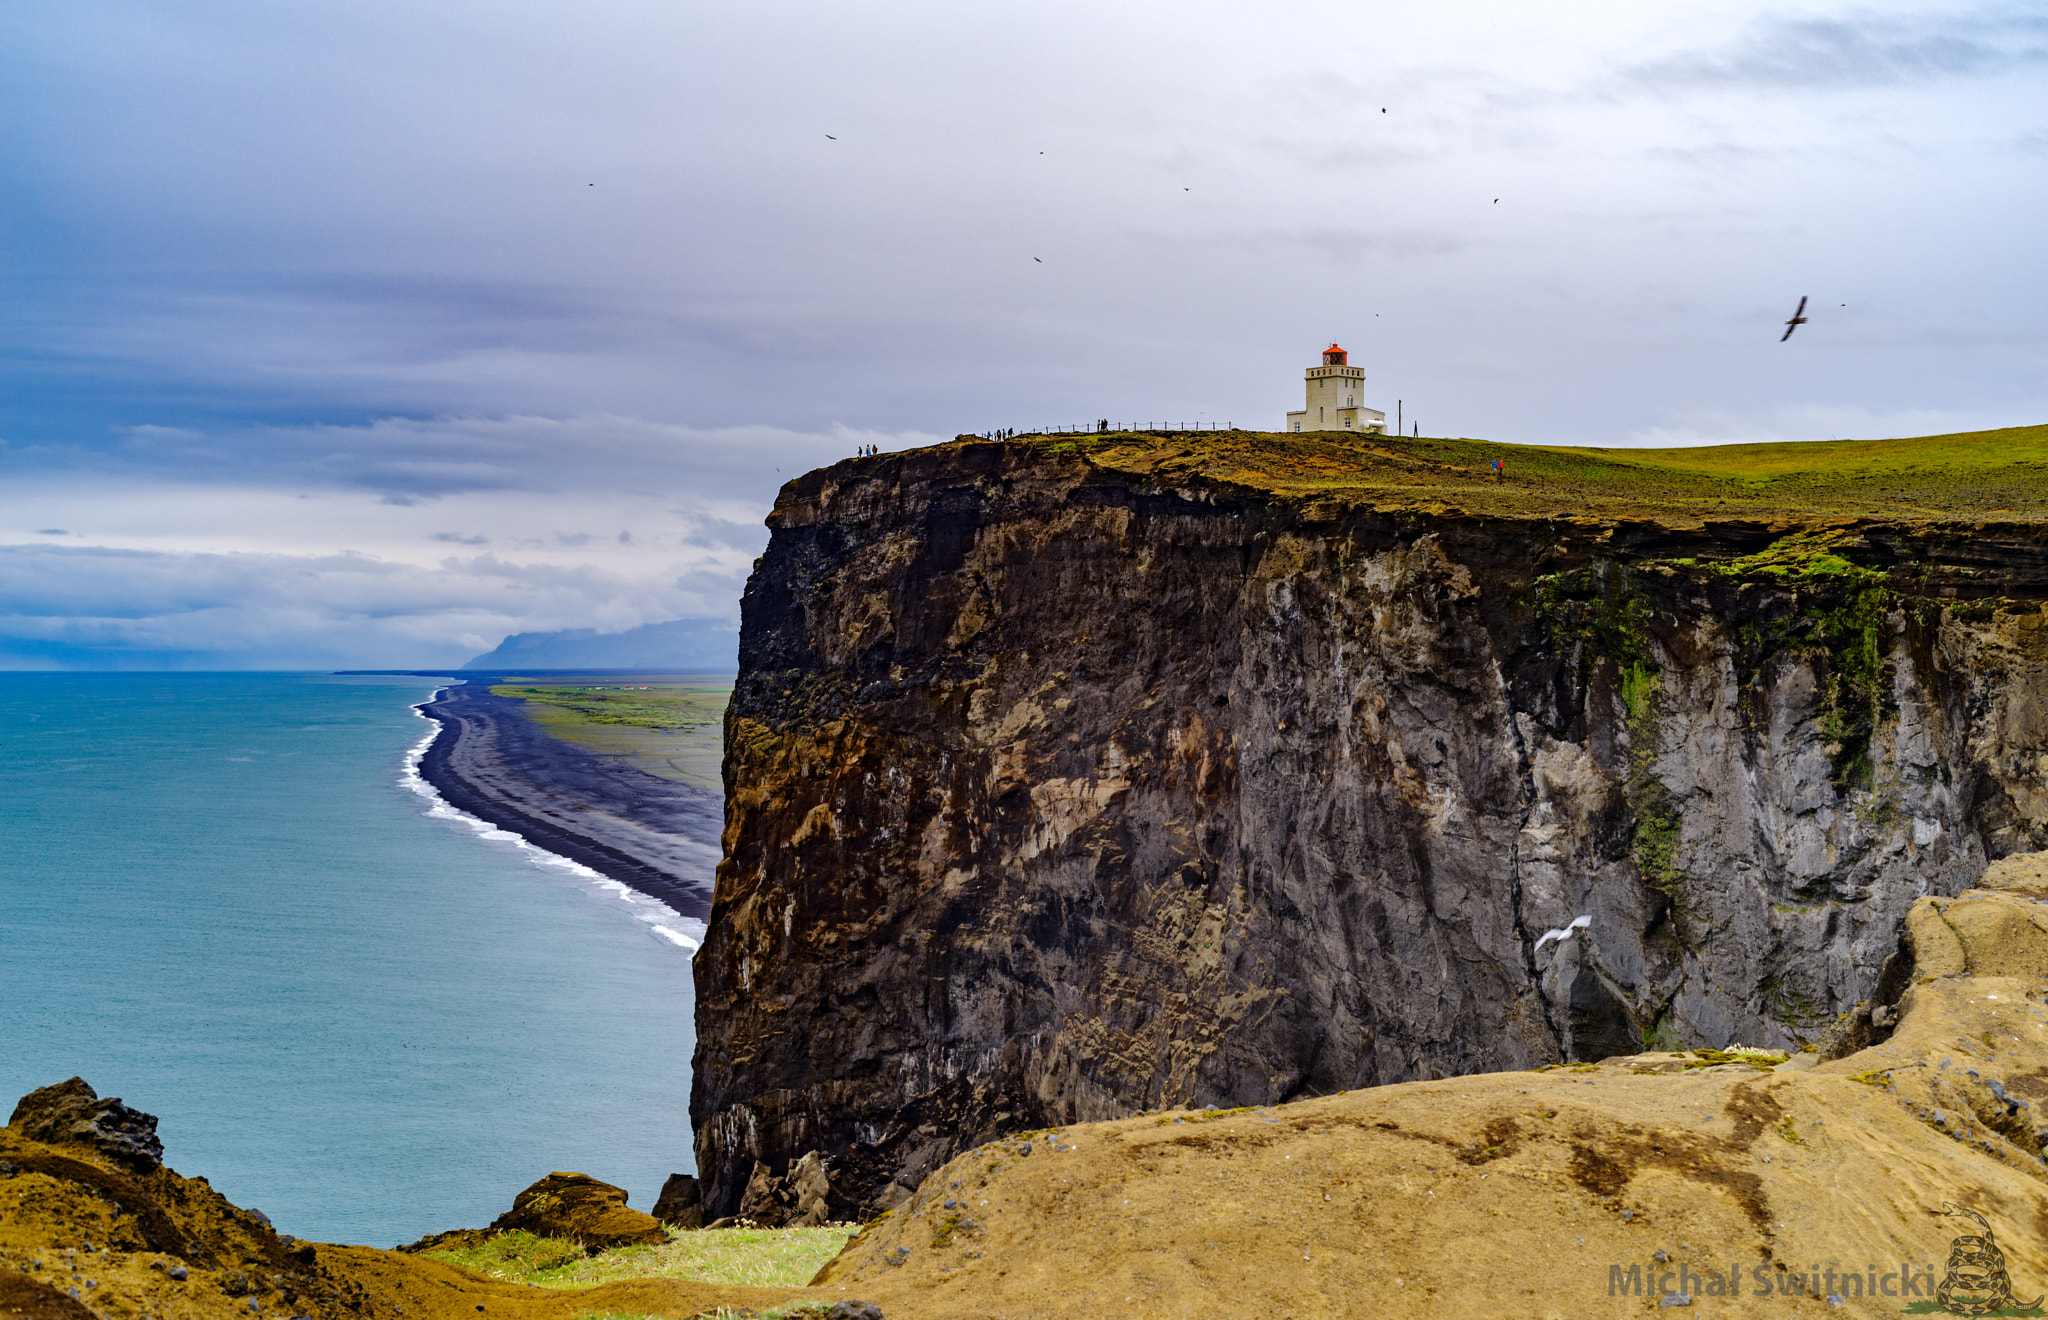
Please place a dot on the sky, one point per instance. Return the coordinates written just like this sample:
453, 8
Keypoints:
363, 334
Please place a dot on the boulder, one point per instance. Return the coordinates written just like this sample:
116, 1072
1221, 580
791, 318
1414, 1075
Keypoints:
71, 1113
460, 1239
810, 1190
578, 1207
800, 1198
761, 1202
680, 1205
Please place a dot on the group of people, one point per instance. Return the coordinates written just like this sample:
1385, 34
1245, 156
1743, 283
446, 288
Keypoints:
1001, 434
867, 451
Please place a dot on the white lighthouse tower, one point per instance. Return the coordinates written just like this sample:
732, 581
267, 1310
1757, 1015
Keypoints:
1333, 392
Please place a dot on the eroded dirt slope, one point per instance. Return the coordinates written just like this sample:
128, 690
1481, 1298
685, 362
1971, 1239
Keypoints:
1523, 1193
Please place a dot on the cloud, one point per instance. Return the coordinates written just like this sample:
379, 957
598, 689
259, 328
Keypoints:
302, 563
406, 460
334, 302
1840, 421
1865, 50
281, 610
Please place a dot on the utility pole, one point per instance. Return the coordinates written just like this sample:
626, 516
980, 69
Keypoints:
1399, 425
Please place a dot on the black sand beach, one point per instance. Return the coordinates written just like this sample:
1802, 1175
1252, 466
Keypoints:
656, 835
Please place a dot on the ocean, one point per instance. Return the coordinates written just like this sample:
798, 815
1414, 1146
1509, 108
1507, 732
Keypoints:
225, 899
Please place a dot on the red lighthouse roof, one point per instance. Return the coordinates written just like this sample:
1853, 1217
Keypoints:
1333, 356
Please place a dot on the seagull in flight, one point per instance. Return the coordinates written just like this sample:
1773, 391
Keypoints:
1039, 260
1799, 318
828, 138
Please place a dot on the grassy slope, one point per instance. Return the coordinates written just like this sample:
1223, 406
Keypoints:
2001, 475
752, 1257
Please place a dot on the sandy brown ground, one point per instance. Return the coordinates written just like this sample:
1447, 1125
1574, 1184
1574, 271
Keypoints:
1518, 1194
1513, 1194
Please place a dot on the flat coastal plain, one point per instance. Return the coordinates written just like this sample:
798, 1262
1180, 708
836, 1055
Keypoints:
586, 789
669, 725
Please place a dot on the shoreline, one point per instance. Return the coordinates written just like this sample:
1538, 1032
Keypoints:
657, 837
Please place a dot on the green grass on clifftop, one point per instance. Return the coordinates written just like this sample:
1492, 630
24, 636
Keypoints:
1979, 475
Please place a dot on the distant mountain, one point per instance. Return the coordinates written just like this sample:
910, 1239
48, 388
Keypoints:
680, 646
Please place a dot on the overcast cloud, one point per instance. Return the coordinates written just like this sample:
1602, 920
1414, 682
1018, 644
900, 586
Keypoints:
367, 333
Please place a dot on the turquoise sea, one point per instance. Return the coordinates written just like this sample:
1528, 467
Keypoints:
221, 901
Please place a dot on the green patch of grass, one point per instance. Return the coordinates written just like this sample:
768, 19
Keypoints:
671, 726
672, 707
790, 1312
1204, 1115
1714, 1058
757, 1257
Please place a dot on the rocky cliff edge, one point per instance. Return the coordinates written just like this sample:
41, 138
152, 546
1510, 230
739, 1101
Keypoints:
1073, 777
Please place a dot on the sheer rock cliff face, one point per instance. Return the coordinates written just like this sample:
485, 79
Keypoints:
1054, 794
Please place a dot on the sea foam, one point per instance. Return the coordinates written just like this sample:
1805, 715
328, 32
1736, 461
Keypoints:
663, 922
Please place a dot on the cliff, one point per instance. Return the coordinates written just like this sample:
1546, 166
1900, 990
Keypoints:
1072, 777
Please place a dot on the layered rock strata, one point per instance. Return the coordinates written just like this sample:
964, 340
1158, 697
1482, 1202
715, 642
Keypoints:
1058, 791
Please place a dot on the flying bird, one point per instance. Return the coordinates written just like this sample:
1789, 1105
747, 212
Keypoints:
1039, 260
1563, 934
828, 138
1798, 319
1496, 201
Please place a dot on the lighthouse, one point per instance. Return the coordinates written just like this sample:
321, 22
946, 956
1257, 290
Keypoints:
1333, 393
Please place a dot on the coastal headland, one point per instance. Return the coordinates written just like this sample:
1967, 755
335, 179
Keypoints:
1073, 777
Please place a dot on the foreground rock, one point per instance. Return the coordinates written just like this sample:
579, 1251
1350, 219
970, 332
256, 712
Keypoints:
802, 1198
86, 1232
1908, 1174
578, 1208
681, 1204
71, 1113
1064, 783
